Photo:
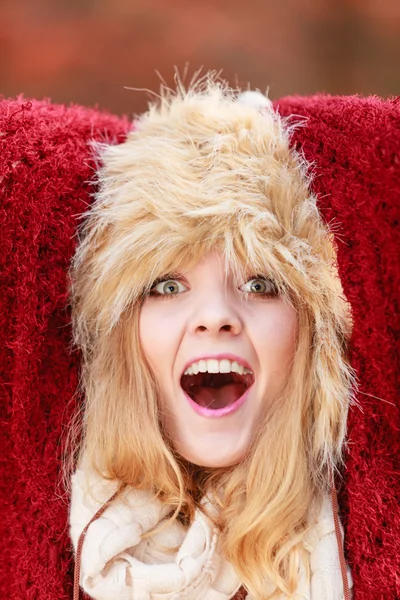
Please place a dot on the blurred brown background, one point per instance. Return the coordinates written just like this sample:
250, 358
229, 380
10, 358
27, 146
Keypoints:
88, 51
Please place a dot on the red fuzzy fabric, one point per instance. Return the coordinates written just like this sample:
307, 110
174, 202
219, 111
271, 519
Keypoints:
354, 146
45, 168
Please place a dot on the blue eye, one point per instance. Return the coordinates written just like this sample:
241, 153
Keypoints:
260, 286
167, 287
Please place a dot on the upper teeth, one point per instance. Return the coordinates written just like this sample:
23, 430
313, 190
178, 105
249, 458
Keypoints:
213, 365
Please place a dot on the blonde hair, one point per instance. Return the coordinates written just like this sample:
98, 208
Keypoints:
201, 171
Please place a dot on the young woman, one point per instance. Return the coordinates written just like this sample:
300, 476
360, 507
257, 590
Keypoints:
214, 332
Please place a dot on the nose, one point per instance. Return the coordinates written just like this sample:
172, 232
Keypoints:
215, 315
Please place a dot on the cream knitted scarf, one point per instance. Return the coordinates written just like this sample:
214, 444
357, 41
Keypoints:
176, 563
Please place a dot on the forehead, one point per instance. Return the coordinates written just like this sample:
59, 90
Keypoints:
213, 264
216, 261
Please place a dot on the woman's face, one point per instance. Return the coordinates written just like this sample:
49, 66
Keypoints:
220, 355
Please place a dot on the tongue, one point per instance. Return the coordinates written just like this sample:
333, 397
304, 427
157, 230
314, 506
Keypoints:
217, 397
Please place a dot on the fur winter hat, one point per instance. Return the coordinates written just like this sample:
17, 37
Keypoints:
204, 169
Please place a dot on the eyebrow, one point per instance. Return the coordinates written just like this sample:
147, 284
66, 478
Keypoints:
175, 275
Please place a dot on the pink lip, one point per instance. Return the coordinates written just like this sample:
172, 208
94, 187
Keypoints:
219, 357
219, 412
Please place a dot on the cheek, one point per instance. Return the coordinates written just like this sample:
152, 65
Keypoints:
159, 335
159, 338
275, 337
148, 334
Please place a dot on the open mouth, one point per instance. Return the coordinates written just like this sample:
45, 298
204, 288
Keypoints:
216, 390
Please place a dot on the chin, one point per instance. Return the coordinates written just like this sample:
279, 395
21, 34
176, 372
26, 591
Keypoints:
212, 460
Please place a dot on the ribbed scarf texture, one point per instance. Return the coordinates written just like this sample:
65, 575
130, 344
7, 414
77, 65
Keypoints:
112, 560
353, 144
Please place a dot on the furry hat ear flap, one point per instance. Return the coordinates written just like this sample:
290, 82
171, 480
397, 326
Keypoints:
204, 169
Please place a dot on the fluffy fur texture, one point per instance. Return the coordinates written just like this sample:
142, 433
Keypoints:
45, 164
202, 171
